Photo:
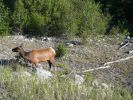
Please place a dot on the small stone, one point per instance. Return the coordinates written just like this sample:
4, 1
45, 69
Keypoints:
95, 82
105, 85
43, 74
69, 44
47, 39
79, 79
130, 52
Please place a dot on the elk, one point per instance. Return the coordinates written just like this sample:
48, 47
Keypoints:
37, 56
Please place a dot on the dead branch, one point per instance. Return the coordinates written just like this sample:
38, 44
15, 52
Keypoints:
124, 45
120, 60
103, 67
106, 65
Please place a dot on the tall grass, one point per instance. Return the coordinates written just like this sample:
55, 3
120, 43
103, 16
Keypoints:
19, 87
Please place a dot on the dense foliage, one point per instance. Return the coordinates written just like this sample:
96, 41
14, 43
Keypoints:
61, 50
4, 23
69, 17
54, 17
121, 12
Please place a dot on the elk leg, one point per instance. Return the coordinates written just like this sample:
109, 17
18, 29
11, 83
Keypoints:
34, 67
52, 60
49, 64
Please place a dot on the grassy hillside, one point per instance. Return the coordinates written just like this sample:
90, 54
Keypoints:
22, 87
113, 83
85, 34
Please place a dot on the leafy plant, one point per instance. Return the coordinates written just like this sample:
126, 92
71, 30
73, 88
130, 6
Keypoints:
61, 50
19, 15
4, 24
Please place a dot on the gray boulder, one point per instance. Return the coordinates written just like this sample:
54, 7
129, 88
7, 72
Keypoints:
46, 39
43, 74
69, 44
79, 79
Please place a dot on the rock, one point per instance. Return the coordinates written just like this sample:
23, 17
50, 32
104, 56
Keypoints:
29, 39
79, 79
72, 43
46, 39
99, 40
21, 74
26, 74
43, 74
20, 37
105, 85
69, 44
76, 42
95, 83
130, 87
90, 40
130, 52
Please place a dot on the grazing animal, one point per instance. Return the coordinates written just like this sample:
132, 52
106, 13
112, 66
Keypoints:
37, 56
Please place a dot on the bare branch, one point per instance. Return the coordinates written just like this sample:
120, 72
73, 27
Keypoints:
120, 60
124, 45
103, 67
106, 65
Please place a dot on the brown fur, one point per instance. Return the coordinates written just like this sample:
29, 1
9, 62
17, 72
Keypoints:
37, 56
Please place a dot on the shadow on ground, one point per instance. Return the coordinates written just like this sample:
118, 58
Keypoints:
4, 62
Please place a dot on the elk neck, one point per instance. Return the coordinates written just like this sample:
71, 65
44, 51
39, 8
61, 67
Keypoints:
22, 53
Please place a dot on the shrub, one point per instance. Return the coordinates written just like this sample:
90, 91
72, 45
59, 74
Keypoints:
92, 21
63, 19
57, 17
19, 16
36, 24
61, 50
4, 24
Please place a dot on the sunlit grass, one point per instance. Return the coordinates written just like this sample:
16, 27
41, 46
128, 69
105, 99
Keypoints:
19, 87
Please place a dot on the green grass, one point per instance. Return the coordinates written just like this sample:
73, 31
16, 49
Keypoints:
57, 88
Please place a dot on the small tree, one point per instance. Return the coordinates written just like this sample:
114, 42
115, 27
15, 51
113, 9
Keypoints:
61, 50
4, 22
36, 24
92, 20
19, 16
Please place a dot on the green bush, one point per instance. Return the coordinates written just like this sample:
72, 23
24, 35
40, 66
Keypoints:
19, 17
4, 21
38, 18
36, 24
61, 50
63, 19
57, 17
92, 21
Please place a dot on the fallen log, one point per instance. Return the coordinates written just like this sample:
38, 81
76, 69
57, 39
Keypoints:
120, 60
106, 65
103, 67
